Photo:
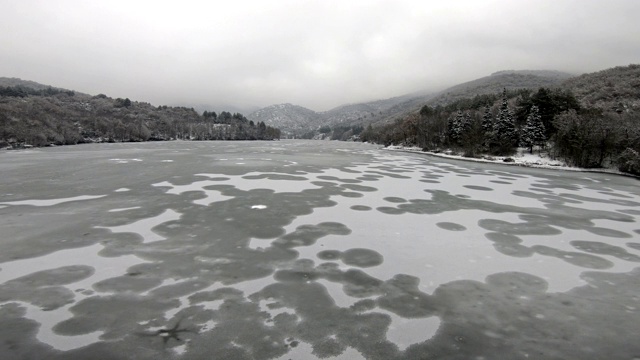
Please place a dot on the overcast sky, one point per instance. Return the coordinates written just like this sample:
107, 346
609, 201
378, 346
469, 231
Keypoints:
317, 54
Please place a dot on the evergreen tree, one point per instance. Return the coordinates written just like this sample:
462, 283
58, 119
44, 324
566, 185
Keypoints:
506, 136
466, 125
533, 133
487, 126
455, 129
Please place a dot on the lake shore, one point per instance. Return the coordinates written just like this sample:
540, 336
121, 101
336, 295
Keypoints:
521, 158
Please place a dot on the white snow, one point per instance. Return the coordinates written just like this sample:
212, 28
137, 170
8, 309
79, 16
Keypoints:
52, 202
521, 158
124, 209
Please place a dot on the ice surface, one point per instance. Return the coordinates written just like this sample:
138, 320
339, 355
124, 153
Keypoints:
145, 227
336, 250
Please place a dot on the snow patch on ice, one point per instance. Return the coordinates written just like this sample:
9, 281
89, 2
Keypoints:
124, 209
52, 202
211, 196
46, 334
145, 227
124, 161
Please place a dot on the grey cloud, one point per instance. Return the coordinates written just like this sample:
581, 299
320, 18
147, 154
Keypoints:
318, 54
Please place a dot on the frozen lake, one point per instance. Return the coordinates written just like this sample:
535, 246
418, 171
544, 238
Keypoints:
306, 250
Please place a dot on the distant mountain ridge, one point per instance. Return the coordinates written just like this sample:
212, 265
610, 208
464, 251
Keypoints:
494, 83
17, 82
295, 120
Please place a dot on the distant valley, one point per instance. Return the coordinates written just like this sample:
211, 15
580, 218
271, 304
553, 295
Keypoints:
297, 121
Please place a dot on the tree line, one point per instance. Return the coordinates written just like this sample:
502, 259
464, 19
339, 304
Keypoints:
31, 117
552, 120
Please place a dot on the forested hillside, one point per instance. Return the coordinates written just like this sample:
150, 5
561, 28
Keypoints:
345, 121
616, 89
32, 115
293, 120
496, 82
592, 121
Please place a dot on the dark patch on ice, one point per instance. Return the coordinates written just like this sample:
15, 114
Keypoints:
45, 288
135, 284
218, 178
634, 245
351, 194
596, 247
362, 257
551, 184
118, 315
323, 183
369, 177
306, 235
476, 187
333, 178
389, 174
348, 170
329, 255
509, 245
363, 305
270, 176
630, 211
390, 210
393, 199
544, 197
611, 193
574, 258
180, 289
18, 335
359, 187
360, 208
524, 228
604, 201
608, 232
501, 182
354, 257
451, 226
402, 297
429, 181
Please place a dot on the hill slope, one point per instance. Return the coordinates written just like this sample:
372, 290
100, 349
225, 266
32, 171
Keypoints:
16, 82
616, 89
494, 83
33, 114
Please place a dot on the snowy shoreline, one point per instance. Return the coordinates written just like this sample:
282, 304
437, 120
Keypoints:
521, 158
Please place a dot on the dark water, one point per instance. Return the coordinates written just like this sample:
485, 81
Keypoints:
304, 250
